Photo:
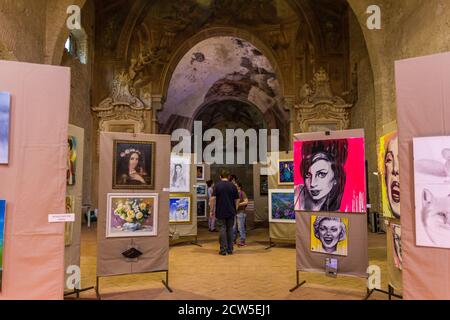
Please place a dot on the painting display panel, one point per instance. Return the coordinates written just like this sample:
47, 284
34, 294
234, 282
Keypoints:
5, 110
132, 215
286, 172
329, 175
180, 173
281, 206
431, 190
389, 168
2, 236
329, 235
180, 209
133, 165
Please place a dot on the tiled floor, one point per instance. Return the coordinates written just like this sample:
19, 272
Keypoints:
251, 273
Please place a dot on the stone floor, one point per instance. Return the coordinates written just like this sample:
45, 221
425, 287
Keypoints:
251, 273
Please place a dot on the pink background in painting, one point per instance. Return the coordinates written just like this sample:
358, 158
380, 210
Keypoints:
354, 168
34, 182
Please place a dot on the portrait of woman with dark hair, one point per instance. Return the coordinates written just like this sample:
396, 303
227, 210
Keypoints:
133, 165
322, 169
329, 235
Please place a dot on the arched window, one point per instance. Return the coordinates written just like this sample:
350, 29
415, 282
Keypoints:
77, 45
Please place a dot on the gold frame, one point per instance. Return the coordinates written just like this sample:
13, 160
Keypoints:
152, 145
279, 180
182, 195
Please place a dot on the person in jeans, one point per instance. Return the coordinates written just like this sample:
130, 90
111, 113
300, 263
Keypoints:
211, 219
224, 203
241, 216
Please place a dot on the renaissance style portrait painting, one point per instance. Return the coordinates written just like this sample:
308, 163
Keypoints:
397, 245
281, 206
201, 209
180, 173
432, 191
286, 172
71, 160
329, 235
132, 215
2, 236
389, 168
5, 100
329, 175
134, 165
68, 226
180, 209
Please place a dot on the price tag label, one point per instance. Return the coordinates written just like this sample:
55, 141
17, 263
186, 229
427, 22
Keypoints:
65, 217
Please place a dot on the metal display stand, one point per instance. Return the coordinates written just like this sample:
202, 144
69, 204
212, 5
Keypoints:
77, 292
164, 282
273, 244
185, 240
391, 293
299, 284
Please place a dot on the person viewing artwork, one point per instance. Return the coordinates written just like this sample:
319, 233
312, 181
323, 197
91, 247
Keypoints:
133, 165
329, 235
389, 168
330, 175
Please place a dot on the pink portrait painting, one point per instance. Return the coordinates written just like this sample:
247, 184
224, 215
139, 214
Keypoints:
329, 175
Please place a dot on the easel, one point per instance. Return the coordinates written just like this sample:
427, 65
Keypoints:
164, 282
391, 293
77, 292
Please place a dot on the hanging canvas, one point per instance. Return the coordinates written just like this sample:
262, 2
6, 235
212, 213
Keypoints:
397, 245
432, 190
68, 227
201, 209
201, 172
285, 172
132, 215
180, 209
180, 173
329, 175
134, 165
5, 110
388, 166
2, 236
281, 206
329, 235
263, 185
202, 189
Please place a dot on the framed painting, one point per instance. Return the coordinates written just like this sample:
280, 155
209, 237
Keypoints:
71, 160
329, 235
2, 236
68, 226
281, 206
263, 185
180, 209
431, 191
180, 174
201, 209
389, 168
5, 111
330, 175
286, 172
202, 189
201, 172
397, 245
132, 215
134, 165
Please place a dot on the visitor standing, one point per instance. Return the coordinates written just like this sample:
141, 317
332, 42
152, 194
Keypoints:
212, 218
224, 202
241, 216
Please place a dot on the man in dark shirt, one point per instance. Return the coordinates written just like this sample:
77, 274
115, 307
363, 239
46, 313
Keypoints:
225, 200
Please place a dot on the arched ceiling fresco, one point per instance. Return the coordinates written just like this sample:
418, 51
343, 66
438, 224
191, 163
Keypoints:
220, 68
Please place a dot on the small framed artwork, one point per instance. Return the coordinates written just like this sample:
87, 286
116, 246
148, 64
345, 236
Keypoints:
134, 165
5, 100
201, 172
180, 209
329, 235
263, 185
71, 160
201, 209
281, 206
180, 173
68, 227
132, 215
202, 189
286, 172
2, 236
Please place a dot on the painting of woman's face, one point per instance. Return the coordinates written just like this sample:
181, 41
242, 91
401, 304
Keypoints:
134, 160
329, 234
329, 231
320, 180
178, 169
391, 167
